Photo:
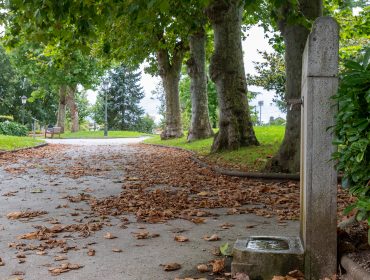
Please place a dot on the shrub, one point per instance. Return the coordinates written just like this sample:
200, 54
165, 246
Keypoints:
13, 128
145, 124
353, 132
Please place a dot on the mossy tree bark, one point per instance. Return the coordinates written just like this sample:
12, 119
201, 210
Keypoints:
200, 126
71, 101
170, 71
295, 36
61, 117
227, 71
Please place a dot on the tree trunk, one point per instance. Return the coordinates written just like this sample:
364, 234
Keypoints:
200, 126
227, 71
170, 74
61, 117
71, 101
295, 36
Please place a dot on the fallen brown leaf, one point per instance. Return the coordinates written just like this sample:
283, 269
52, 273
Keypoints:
41, 253
218, 265
18, 273
216, 251
58, 270
250, 226
20, 256
213, 237
91, 252
31, 235
226, 225
241, 276
145, 235
141, 234
198, 220
277, 277
65, 267
171, 266
24, 214
60, 258
202, 268
108, 235
181, 238
10, 193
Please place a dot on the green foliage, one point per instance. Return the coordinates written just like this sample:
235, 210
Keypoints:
84, 109
41, 103
352, 130
145, 124
12, 128
124, 94
158, 94
185, 101
97, 110
225, 249
213, 103
271, 76
354, 20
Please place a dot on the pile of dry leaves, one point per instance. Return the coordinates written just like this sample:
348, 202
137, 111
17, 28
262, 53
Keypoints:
165, 184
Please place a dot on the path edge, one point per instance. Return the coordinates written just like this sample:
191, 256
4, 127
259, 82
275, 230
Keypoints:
231, 172
23, 149
353, 270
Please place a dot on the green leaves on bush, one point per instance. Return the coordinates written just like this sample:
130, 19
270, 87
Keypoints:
13, 128
353, 132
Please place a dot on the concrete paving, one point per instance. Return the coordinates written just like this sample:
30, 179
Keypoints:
97, 142
139, 259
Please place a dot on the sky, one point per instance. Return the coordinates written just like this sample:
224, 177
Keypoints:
254, 42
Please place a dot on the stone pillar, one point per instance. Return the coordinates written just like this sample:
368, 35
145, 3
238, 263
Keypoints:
318, 176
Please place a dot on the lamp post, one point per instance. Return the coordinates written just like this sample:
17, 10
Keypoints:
106, 116
105, 88
24, 100
260, 103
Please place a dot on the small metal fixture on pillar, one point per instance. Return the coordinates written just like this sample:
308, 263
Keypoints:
24, 101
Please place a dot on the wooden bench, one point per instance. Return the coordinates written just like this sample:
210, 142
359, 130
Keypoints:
52, 131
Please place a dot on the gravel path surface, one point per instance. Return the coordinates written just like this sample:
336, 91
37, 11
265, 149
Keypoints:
63, 180
97, 142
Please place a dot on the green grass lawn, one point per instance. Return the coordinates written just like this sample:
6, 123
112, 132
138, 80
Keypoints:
100, 134
8, 143
247, 158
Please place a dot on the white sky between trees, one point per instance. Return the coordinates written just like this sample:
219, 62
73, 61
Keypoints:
254, 42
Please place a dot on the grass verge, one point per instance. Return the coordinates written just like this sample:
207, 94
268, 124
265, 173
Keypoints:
252, 158
9, 143
100, 134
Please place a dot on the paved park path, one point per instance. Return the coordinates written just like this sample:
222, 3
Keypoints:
112, 210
